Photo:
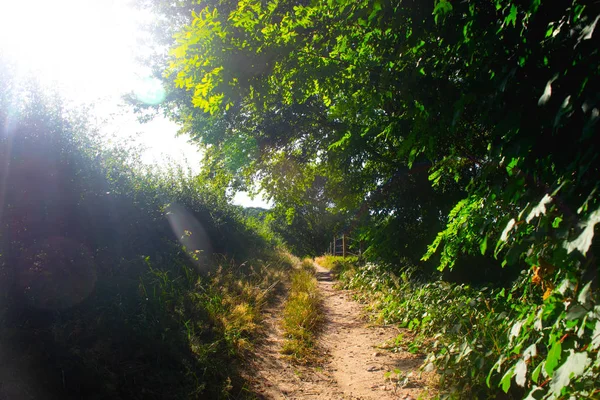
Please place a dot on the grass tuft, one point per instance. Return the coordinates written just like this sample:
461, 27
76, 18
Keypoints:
302, 313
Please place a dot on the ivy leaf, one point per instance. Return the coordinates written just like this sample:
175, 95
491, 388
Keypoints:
573, 367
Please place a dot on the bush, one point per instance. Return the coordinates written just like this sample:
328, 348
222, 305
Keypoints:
469, 334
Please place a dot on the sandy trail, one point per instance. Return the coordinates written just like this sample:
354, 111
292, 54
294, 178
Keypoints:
353, 364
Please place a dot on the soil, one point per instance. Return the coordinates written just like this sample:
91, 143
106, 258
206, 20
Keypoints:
353, 357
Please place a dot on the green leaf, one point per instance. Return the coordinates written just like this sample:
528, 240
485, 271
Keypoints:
441, 8
556, 222
513, 163
483, 246
341, 142
512, 16
290, 214
553, 357
536, 373
573, 367
506, 379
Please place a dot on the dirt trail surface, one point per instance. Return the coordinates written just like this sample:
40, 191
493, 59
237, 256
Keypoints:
353, 359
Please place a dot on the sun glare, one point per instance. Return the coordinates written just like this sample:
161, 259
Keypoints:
88, 50
85, 48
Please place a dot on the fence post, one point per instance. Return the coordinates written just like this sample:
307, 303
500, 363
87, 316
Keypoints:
344, 246
334, 246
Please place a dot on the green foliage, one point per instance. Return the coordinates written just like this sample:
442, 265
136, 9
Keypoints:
117, 281
481, 340
499, 102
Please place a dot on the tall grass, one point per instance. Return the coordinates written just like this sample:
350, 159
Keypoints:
302, 313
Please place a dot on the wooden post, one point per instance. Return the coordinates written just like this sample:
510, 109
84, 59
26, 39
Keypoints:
334, 246
360, 248
344, 245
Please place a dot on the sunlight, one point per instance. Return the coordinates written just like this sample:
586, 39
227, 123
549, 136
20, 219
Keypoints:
84, 47
88, 51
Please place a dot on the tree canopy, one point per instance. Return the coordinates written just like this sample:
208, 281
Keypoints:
496, 101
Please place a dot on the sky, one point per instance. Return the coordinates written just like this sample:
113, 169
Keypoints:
87, 51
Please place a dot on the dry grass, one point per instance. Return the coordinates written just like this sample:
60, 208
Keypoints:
302, 312
338, 264
240, 294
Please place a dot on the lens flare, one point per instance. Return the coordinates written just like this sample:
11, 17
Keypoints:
150, 91
190, 233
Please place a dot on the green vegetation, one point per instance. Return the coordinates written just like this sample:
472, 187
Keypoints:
337, 264
468, 332
457, 139
118, 281
302, 313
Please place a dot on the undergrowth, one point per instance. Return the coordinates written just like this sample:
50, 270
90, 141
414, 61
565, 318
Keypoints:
180, 337
468, 334
302, 313
118, 280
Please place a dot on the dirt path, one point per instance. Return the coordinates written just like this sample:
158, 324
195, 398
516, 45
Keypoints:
353, 363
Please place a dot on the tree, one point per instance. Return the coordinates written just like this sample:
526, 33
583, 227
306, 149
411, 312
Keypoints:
499, 97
